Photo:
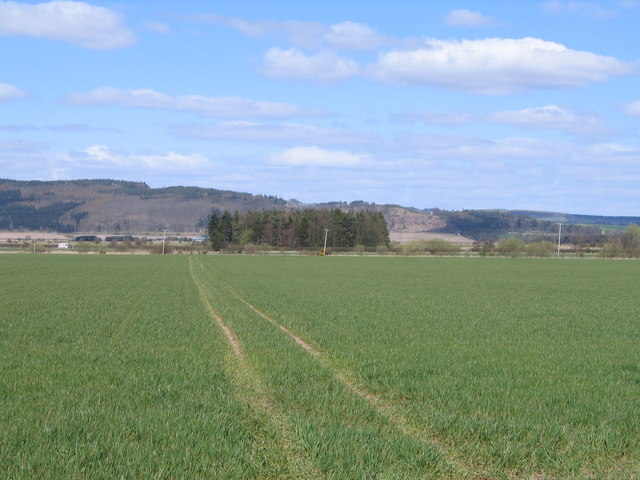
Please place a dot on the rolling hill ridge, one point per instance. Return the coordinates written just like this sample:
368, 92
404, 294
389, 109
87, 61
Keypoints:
114, 206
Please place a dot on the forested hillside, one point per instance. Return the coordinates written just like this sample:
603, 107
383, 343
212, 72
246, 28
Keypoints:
492, 224
115, 206
578, 219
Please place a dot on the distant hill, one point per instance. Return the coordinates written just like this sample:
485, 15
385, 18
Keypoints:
531, 225
122, 206
578, 219
116, 206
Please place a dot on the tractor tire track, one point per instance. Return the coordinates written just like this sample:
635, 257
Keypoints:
385, 409
255, 393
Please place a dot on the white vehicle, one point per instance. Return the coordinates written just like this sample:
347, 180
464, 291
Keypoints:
63, 245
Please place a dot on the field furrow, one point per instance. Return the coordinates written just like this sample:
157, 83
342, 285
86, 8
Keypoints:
334, 409
349, 379
253, 391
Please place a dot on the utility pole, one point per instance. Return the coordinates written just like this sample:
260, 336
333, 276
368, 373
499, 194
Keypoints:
559, 235
324, 250
164, 237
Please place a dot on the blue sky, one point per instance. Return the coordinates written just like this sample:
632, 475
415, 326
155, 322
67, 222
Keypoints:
482, 104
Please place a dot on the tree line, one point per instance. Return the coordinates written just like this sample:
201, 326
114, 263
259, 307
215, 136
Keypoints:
483, 225
298, 228
625, 245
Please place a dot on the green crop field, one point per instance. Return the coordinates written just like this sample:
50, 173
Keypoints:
248, 367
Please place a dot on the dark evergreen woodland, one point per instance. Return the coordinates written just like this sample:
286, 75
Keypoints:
299, 228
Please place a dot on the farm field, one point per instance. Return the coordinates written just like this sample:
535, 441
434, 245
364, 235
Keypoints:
243, 367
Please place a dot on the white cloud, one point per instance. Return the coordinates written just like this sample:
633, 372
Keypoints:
323, 67
309, 35
102, 155
436, 118
80, 127
586, 9
275, 133
435, 144
472, 150
69, 127
621, 152
318, 157
467, 18
550, 117
224, 107
78, 23
557, 6
633, 109
628, 4
259, 28
14, 146
496, 66
17, 128
171, 160
36, 161
158, 28
305, 34
354, 36
10, 92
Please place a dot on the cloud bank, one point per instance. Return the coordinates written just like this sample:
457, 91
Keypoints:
10, 92
467, 18
345, 35
491, 66
242, 131
633, 109
78, 23
323, 67
102, 155
550, 117
496, 66
318, 157
224, 107
547, 117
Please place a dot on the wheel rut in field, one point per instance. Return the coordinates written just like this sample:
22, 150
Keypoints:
295, 337
231, 336
255, 393
387, 410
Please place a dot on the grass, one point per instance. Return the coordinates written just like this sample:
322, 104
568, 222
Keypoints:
421, 367
111, 370
523, 366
